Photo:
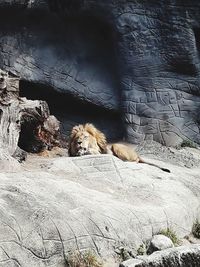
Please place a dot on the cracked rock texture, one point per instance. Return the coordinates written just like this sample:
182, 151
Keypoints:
51, 206
176, 257
138, 60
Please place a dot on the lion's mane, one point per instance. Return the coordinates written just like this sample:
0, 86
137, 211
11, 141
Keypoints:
78, 130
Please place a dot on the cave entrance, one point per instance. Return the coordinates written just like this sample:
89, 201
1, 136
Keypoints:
83, 45
27, 138
71, 111
75, 54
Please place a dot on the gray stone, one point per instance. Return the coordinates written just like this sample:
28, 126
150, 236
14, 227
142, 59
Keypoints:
130, 263
184, 256
51, 206
159, 242
121, 63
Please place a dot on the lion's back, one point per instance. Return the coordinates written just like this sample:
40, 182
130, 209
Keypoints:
124, 152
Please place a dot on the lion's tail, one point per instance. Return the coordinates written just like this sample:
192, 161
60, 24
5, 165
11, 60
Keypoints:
153, 164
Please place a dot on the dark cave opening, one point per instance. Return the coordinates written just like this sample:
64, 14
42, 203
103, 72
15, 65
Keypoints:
27, 138
71, 111
197, 38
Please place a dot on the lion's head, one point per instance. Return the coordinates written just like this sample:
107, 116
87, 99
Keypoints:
86, 140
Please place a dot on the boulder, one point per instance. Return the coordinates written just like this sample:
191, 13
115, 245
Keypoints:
130, 263
56, 205
184, 256
159, 242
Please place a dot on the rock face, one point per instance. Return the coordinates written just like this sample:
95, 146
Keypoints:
176, 257
24, 124
136, 60
53, 206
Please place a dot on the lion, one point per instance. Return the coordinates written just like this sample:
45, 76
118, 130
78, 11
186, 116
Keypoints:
88, 140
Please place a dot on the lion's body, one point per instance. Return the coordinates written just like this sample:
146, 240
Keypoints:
87, 140
124, 152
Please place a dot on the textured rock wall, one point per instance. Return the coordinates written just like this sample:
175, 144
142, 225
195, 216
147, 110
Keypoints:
160, 74
138, 58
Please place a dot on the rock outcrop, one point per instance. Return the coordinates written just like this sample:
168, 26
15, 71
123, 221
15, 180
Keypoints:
138, 61
24, 124
54, 206
175, 257
159, 242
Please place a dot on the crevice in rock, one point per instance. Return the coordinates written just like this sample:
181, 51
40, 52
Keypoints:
1, 114
27, 138
182, 66
197, 38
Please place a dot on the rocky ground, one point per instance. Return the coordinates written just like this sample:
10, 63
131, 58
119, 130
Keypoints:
52, 204
182, 156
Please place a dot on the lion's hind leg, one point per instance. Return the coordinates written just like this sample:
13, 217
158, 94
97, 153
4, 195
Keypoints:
124, 152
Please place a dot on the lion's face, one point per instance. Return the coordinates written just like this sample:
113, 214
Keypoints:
85, 144
3, 79
86, 140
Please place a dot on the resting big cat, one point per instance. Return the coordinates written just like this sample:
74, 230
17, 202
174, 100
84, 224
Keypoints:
88, 140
